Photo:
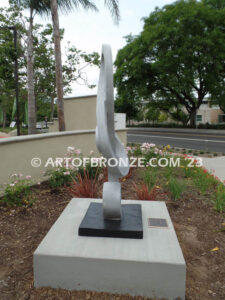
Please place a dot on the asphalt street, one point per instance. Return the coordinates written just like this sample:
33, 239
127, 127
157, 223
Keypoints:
197, 141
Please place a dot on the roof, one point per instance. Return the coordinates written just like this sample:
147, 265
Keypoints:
78, 97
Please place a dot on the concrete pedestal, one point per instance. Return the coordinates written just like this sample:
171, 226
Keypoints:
153, 266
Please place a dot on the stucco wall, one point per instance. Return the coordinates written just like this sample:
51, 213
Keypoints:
80, 114
209, 115
16, 153
215, 116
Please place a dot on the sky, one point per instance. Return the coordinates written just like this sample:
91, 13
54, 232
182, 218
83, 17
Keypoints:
88, 30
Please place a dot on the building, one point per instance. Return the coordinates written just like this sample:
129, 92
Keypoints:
210, 114
80, 114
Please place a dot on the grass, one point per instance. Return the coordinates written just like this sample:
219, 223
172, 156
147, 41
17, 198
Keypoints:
149, 178
203, 180
176, 187
168, 173
23, 131
6, 129
219, 201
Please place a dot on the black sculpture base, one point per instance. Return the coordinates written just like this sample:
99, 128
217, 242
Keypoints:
130, 226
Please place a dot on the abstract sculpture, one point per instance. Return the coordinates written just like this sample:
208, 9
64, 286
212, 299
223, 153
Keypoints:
106, 139
110, 218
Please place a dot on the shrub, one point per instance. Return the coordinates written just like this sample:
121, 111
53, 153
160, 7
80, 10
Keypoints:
175, 125
136, 151
85, 187
18, 191
60, 177
149, 155
143, 192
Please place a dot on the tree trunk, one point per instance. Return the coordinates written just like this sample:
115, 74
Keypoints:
52, 109
193, 117
183, 122
58, 64
4, 119
222, 107
30, 79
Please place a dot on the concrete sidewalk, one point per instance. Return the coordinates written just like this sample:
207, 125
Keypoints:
215, 166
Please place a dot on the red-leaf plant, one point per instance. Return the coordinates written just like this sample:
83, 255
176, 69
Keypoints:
143, 192
85, 187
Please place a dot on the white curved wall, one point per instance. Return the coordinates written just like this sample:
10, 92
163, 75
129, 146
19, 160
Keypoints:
16, 153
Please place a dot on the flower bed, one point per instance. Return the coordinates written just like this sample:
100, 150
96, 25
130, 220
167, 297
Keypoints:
195, 200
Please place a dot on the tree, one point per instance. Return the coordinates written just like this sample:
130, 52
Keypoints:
44, 69
74, 66
123, 105
9, 17
218, 89
43, 7
178, 57
6, 72
34, 6
152, 113
218, 94
171, 107
215, 3
67, 5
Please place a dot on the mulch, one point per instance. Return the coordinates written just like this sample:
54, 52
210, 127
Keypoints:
197, 224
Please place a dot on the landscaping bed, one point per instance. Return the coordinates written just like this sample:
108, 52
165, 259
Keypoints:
199, 225
185, 151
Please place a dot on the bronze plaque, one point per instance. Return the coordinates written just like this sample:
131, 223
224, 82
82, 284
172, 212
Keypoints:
157, 223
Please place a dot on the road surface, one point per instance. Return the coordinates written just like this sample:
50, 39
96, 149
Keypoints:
198, 141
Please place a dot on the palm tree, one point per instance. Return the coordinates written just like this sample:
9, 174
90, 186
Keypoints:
34, 6
43, 7
66, 6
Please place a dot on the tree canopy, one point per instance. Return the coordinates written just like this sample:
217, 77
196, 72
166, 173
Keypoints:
74, 66
178, 59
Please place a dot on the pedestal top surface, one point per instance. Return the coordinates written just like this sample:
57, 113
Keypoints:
159, 245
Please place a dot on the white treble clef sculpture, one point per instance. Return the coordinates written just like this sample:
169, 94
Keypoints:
107, 141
